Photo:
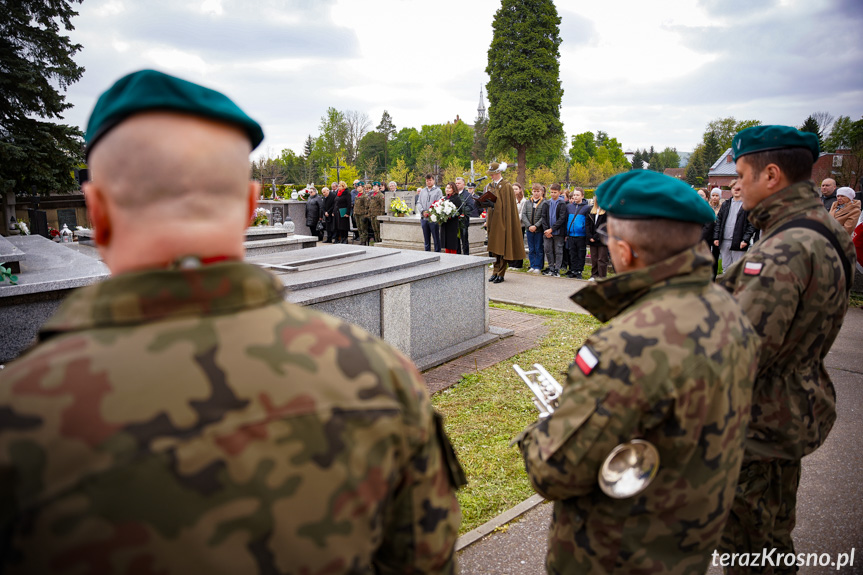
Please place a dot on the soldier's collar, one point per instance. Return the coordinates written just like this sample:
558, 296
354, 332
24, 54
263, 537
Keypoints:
607, 298
140, 297
774, 208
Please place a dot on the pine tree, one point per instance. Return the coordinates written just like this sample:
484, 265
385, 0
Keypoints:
388, 129
638, 160
36, 60
524, 89
310, 167
695, 169
811, 125
712, 150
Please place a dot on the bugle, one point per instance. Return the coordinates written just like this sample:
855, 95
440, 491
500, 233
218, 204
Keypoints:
627, 470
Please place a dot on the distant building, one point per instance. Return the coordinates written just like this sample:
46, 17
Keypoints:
842, 166
722, 172
678, 173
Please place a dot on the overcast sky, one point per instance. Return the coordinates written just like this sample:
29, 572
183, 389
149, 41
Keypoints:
648, 73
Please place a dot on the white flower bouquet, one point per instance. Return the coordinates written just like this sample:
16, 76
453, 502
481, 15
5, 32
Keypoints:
442, 210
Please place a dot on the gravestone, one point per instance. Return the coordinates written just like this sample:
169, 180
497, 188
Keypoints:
67, 216
277, 215
38, 223
409, 197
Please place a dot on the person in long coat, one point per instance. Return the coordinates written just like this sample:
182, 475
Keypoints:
328, 210
343, 214
449, 229
505, 241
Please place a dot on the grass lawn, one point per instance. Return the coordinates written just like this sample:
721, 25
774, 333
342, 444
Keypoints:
486, 409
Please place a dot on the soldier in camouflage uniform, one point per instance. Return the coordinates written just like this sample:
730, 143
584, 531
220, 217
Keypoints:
361, 213
377, 207
182, 418
674, 366
793, 288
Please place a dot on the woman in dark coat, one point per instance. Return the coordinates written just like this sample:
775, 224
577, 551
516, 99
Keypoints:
314, 213
597, 242
449, 230
329, 220
343, 213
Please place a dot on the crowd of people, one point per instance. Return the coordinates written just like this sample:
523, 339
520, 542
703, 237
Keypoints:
182, 417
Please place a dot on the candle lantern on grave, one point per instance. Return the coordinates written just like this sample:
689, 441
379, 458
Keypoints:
65, 235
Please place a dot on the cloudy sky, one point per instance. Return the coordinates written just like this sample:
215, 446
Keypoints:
649, 73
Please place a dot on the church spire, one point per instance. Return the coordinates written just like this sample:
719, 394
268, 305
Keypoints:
480, 111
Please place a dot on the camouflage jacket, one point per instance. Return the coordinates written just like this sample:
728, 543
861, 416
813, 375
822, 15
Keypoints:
675, 367
792, 287
376, 205
361, 206
194, 422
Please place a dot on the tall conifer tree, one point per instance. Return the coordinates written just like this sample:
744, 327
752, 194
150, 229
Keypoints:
37, 65
524, 89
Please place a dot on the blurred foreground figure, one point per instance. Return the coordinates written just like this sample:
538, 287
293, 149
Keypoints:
674, 366
793, 285
181, 417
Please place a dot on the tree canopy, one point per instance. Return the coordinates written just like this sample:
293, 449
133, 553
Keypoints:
36, 60
524, 90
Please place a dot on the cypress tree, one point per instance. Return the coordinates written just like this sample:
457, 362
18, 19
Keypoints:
524, 90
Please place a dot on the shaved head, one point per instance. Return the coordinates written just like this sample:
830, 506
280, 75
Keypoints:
164, 185
173, 166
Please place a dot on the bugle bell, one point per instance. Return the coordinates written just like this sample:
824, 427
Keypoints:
628, 469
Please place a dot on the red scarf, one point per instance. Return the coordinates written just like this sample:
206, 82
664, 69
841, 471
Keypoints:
339, 193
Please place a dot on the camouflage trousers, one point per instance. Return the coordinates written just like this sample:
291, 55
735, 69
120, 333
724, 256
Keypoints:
363, 225
763, 513
376, 228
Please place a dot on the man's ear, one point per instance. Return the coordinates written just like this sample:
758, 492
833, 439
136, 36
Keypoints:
98, 213
254, 194
774, 177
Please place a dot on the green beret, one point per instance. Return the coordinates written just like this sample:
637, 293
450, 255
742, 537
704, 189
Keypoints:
764, 138
644, 194
148, 90
360, 183
376, 184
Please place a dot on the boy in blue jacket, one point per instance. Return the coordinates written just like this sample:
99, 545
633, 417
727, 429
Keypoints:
576, 221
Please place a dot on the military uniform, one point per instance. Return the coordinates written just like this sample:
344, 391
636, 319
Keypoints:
674, 366
361, 213
377, 207
191, 421
792, 286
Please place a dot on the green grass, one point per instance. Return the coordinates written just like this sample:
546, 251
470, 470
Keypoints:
486, 409
856, 300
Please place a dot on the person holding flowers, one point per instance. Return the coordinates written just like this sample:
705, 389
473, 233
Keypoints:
449, 228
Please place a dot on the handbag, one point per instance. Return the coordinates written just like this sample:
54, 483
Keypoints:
320, 226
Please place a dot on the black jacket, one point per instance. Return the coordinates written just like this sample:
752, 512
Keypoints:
594, 221
314, 211
559, 221
330, 204
743, 230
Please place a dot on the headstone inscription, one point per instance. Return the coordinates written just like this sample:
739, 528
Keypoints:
67, 217
277, 215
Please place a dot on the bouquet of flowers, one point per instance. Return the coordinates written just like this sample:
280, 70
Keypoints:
398, 207
25, 230
442, 210
262, 217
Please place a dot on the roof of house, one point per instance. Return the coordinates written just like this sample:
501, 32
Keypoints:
722, 166
678, 173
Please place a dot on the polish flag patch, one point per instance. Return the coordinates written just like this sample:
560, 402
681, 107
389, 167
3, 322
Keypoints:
752, 268
586, 360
